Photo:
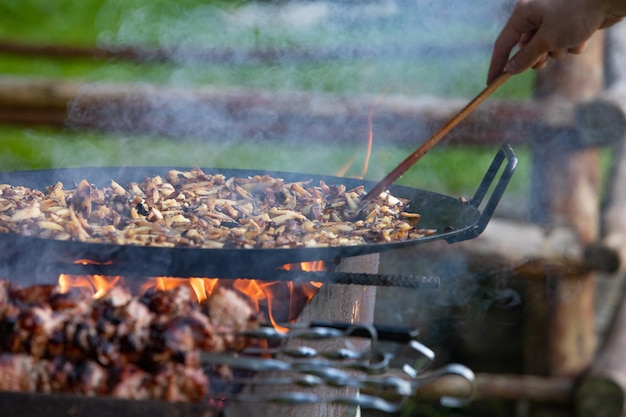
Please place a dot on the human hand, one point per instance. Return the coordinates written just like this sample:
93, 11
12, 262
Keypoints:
550, 28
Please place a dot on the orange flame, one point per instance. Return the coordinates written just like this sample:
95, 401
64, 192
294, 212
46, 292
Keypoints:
96, 285
305, 266
281, 300
90, 262
370, 144
370, 139
342, 171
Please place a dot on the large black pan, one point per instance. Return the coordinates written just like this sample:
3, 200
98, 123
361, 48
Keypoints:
453, 219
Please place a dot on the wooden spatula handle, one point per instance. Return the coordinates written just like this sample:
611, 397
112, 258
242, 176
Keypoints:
427, 146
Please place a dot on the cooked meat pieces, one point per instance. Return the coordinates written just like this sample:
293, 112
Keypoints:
171, 382
230, 317
119, 344
195, 209
18, 373
118, 328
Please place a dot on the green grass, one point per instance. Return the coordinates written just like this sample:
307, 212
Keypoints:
197, 25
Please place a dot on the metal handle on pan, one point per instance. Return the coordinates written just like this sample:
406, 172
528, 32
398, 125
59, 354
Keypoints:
505, 152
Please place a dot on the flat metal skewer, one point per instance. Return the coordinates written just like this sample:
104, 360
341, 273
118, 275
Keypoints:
426, 146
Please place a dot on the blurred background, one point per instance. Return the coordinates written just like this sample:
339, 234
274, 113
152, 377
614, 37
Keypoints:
370, 49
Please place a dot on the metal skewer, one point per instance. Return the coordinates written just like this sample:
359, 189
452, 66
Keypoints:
381, 387
426, 146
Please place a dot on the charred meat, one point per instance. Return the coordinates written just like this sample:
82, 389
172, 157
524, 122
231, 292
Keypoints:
119, 344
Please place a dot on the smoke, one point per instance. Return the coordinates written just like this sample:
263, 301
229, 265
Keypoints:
347, 49
405, 40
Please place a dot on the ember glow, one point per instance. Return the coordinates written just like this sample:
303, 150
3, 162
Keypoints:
280, 301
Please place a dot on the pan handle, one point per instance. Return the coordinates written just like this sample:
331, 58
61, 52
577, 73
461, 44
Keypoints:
505, 153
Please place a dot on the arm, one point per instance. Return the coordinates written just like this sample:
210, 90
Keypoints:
550, 28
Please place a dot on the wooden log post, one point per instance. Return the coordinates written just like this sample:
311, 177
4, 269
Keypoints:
566, 190
602, 391
605, 116
612, 245
332, 303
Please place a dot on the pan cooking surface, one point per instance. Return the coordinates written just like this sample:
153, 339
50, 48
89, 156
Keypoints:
448, 215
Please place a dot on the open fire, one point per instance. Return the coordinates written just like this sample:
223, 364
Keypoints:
91, 336
101, 335
279, 301
120, 345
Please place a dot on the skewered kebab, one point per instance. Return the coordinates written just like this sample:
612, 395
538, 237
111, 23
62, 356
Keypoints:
120, 345
161, 345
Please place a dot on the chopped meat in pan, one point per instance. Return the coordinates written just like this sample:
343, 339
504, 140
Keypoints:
195, 209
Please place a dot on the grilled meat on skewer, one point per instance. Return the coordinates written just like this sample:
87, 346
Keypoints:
119, 344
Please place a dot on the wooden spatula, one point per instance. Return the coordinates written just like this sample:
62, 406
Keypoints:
427, 146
